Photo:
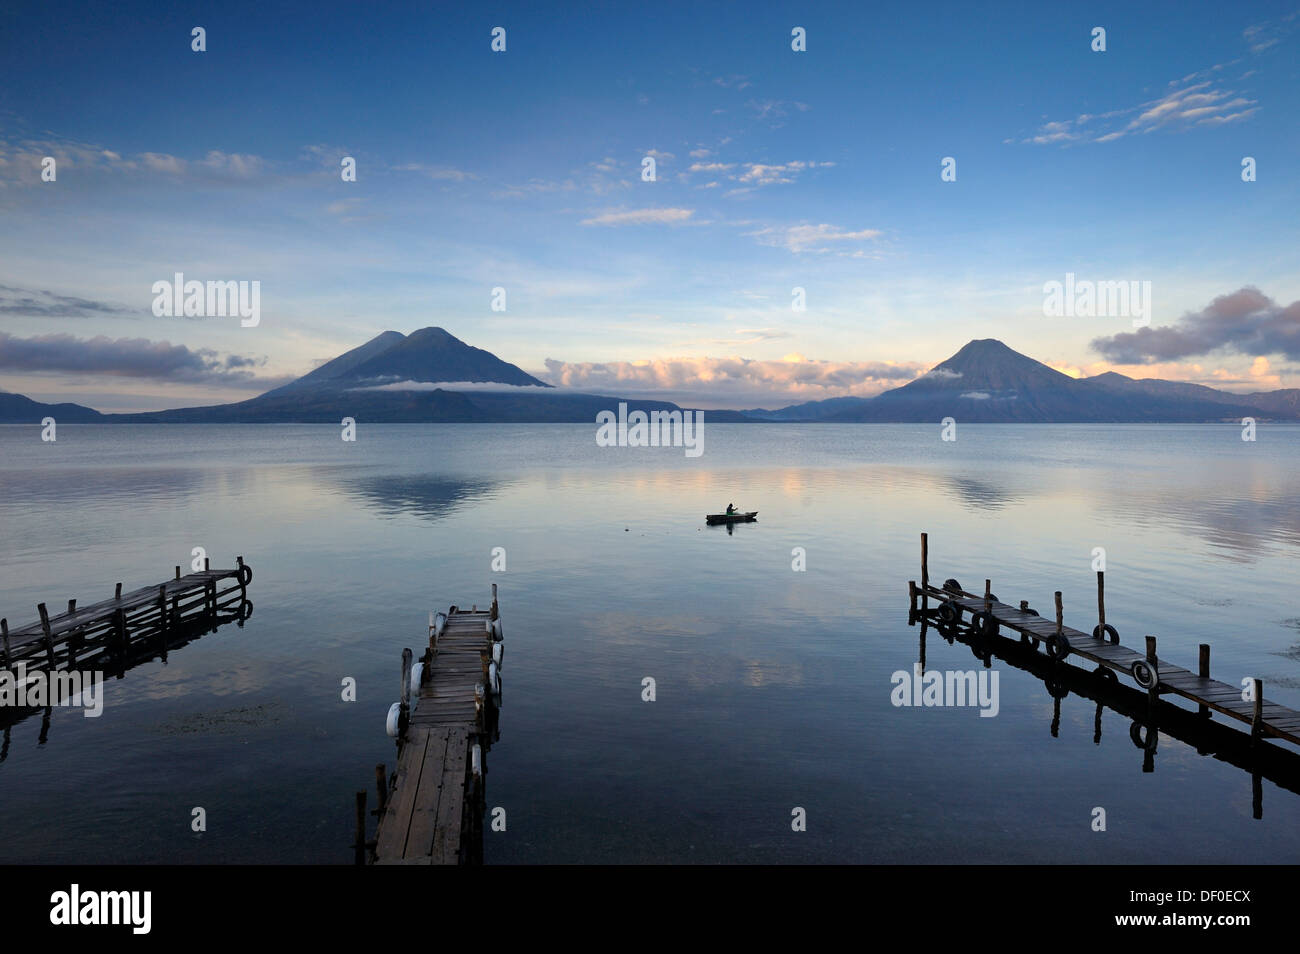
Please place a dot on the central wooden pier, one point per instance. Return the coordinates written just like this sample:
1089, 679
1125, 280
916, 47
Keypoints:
1158, 676
431, 811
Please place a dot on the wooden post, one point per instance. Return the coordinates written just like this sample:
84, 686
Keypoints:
403, 720
72, 638
239, 575
4, 629
162, 610
495, 612
1204, 673
925, 560
207, 564
1257, 717
360, 857
178, 573
1060, 614
911, 598
118, 594
381, 785
1101, 604
988, 595
1154, 691
45, 627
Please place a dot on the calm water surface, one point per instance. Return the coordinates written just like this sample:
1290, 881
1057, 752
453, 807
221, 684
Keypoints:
773, 686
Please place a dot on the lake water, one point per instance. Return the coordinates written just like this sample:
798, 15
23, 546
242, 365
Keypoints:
772, 685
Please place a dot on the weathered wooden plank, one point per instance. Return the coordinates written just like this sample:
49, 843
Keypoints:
446, 845
424, 812
390, 840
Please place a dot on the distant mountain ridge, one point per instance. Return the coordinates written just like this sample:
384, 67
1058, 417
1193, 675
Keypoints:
985, 381
18, 409
988, 382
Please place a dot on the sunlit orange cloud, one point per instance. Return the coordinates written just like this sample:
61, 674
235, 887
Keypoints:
794, 378
1260, 376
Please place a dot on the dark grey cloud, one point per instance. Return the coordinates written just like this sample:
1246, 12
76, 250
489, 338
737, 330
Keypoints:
126, 357
26, 303
1246, 321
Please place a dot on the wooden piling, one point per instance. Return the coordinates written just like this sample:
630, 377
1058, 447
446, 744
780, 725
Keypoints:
119, 626
381, 786
1203, 670
911, 600
1060, 614
45, 627
360, 856
1152, 660
162, 609
405, 717
4, 629
988, 595
925, 560
178, 572
73, 637
1257, 719
1101, 604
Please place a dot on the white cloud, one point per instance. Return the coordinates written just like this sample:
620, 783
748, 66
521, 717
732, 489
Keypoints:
642, 217
813, 238
1198, 104
435, 172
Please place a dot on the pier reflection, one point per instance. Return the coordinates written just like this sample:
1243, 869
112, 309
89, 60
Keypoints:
1259, 758
106, 658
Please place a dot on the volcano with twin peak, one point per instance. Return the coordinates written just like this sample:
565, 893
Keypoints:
427, 356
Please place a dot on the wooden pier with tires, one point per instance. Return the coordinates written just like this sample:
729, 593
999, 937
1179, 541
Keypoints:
985, 615
114, 629
1147, 721
431, 809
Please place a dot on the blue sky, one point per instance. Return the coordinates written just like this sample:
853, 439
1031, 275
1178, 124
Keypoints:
522, 170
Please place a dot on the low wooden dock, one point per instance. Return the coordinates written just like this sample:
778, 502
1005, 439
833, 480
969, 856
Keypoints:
114, 627
431, 810
988, 616
1147, 722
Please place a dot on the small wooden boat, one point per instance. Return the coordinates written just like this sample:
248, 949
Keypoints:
715, 518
